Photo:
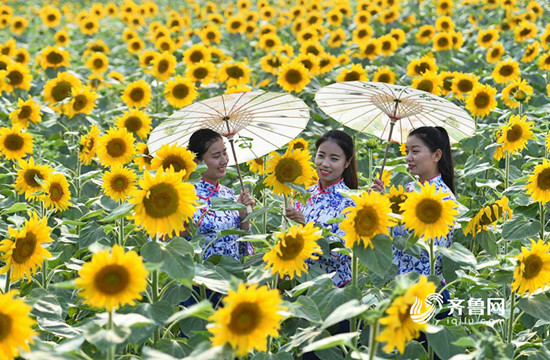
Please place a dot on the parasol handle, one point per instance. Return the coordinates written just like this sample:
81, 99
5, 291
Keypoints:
392, 124
230, 138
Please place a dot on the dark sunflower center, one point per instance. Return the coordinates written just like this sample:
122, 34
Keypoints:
426, 85
234, 72
136, 45
465, 85
514, 133
307, 36
420, 68
245, 318
61, 90
137, 94
89, 25
259, 161
54, 58
370, 49
495, 212
324, 62
362, 33
235, 25
543, 180
98, 64
547, 60
5, 326
112, 279
426, 33
24, 248
293, 77
163, 66
366, 221
3, 65
312, 50
25, 112
16, 77
487, 38
211, 35
180, 91
29, 177
299, 146
200, 73
396, 202
307, 63
288, 170
147, 60
133, 124
14, 142
533, 265
525, 32
269, 43
80, 102
386, 45
384, 77
56, 192
428, 211
175, 161
352, 76
336, 38
482, 100
18, 24
165, 46
443, 41
291, 247
119, 183
447, 83
162, 201
51, 17
116, 147
506, 70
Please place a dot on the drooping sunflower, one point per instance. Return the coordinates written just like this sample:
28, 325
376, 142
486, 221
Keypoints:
427, 214
355, 73
397, 196
82, 101
489, 215
293, 248
516, 92
298, 144
25, 181
539, 183
59, 88
163, 66
54, 57
203, 72
429, 81
143, 158
257, 166
56, 192
368, 218
506, 71
116, 147
515, 135
164, 203
137, 94
88, 145
112, 280
234, 73
14, 143
176, 157
136, 121
23, 252
533, 270
292, 167
463, 84
27, 110
293, 77
119, 183
481, 100
384, 74
18, 326
248, 317
180, 92
400, 329
16, 76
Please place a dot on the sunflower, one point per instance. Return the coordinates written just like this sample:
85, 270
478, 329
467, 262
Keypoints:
486, 38
17, 326
444, 23
355, 73
397, 196
112, 280
525, 30
18, 25
176, 157
425, 34
116, 147
458, 39
494, 52
146, 58
60, 88
202, 72
22, 56
310, 61
489, 215
164, 203
88, 145
135, 46
163, 66
165, 44
15, 144
362, 33
143, 158
89, 26
97, 63
137, 94
257, 166
336, 38
539, 183
429, 81
544, 61
234, 73
119, 183
400, 329
234, 24
481, 100
515, 134
180, 92
298, 144
8, 48
506, 71
419, 66
326, 62
210, 34
82, 101
135, 121
272, 63
248, 316
463, 84
22, 251
293, 77
25, 181
56, 192
427, 214
293, 248
368, 218
293, 167
54, 57
533, 270
16, 76
269, 42
443, 41
388, 45
531, 52
27, 110
447, 78
51, 16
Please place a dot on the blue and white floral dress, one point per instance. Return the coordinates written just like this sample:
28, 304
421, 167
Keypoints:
209, 223
407, 263
323, 205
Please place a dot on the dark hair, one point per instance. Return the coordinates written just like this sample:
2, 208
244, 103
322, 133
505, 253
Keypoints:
436, 137
346, 144
201, 140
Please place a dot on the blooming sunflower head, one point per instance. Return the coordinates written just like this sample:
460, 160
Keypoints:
17, 325
298, 144
515, 135
505, 71
429, 81
60, 88
293, 76
293, 167
427, 214
481, 100
14, 143
176, 157
136, 122
248, 317
355, 73
163, 66
384, 74
257, 166
88, 145
27, 110
116, 147
54, 57
119, 183
539, 183
56, 192
30, 176
180, 92
533, 269
202, 71
112, 279
137, 94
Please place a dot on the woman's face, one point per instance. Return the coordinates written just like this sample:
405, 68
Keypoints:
420, 160
331, 162
216, 160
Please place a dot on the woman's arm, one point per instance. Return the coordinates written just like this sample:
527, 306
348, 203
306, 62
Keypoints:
246, 200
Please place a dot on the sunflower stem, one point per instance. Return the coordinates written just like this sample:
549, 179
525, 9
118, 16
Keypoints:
541, 213
284, 225
372, 340
7, 287
512, 308
432, 258
353, 321
111, 351
506, 170
45, 275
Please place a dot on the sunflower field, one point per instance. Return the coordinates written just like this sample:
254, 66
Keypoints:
93, 261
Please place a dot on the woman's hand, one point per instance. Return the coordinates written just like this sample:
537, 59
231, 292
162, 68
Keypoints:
295, 215
246, 200
377, 185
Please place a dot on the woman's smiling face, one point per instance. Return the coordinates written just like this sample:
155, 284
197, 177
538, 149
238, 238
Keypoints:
331, 163
216, 160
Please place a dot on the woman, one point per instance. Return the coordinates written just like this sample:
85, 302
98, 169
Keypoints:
337, 170
209, 148
429, 158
